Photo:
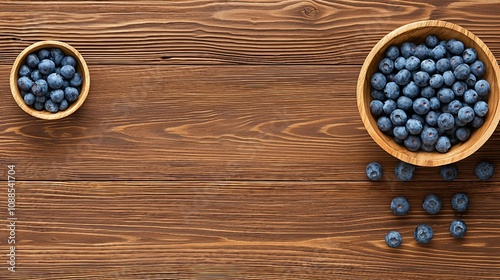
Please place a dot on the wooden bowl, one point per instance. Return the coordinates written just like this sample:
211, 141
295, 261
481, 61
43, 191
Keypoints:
81, 68
417, 32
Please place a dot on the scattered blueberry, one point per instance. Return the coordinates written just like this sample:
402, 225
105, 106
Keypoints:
432, 204
423, 234
448, 172
400, 206
393, 239
404, 171
484, 170
374, 171
458, 229
460, 202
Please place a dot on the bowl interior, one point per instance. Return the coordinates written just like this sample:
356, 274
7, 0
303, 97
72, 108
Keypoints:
416, 32
81, 68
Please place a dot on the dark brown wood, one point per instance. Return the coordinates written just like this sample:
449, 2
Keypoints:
221, 140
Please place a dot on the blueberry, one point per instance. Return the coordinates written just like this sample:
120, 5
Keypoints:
411, 90
400, 206
414, 126
454, 106
438, 52
422, 52
449, 78
458, 122
431, 41
76, 81
68, 60
376, 94
56, 55
445, 95
386, 66
55, 81
448, 172
421, 78
392, 90
436, 81
421, 106
460, 202
469, 55
429, 136
389, 106
471, 96
392, 52
51, 106
427, 92
400, 63
404, 171
477, 68
418, 118
432, 204
374, 171
40, 88
427, 148
404, 103
32, 60
428, 66
443, 144
412, 63
466, 114
41, 99
65, 84
71, 94
38, 106
376, 107
482, 87
443, 65
393, 239
377, 81
63, 105
400, 132
423, 234
435, 103
46, 66
471, 81
462, 71
29, 98
398, 117
459, 88
445, 121
43, 54
463, 133
413, 143
455, 47
25, 83
432, 118
455, 61
24, 71
408, 49
480, 108
484, 170
477, 122
36, 75
57, 95
458, 229
68, 71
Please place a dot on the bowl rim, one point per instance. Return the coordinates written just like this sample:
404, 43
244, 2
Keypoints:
67, 49
444, 158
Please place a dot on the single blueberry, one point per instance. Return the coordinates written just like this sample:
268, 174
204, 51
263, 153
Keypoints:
466, 114
443, 144
443, 65
68, 71
413, 143
55, 81
429, 136
435, 103
36, 75
414, 126
427, 92
471, 96
436, 81
68, 60
423, 234
455, 61
41, 99
43, 54
29, 98
46, 66
458, 228
38, 106
469, 55
422, 52
400, 63
25, 83
455, 47
64, 105
432, 118
56, 55
412, 63
392, 90
431, 41
71, 94
400, 132
393, 239
438, 52
24, 71
480, 108
392, 52
421, 106
427, 148
374, 171
32, 60
408, 49
377, 81
57, 95
403, 77
454, 106
484, 170
376, 94
404, 171
460, 202
462, 71
400, 206
421, 78
477, 68
404, 103
418, 118
449, 78
445, 95
463, 133
482, 87
51, 106
471, 81
384, 124
40, 88
448, 172
428, 66
398, 117
411, 90
76, 81
432, 204
446, 121
477, 122
389, 106
459, 88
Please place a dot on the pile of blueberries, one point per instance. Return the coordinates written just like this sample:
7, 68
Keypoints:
48, 80
429, 96
432, 203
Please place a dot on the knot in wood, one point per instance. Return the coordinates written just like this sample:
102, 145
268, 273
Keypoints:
310, 11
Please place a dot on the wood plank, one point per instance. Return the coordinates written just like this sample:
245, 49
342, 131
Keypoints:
206, 123
246, 230
229, 32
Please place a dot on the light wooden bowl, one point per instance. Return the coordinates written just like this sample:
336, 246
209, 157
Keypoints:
416, 32
81, 68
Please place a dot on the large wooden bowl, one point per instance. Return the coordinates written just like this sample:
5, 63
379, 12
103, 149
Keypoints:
417, 32
81, 68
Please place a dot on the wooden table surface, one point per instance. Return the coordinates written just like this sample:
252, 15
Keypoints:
221, 140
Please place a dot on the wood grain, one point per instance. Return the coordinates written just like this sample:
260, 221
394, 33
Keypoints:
247, 230
206, 122
229, 32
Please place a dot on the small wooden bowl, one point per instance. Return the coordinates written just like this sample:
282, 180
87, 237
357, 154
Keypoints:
81, 68
417, 32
